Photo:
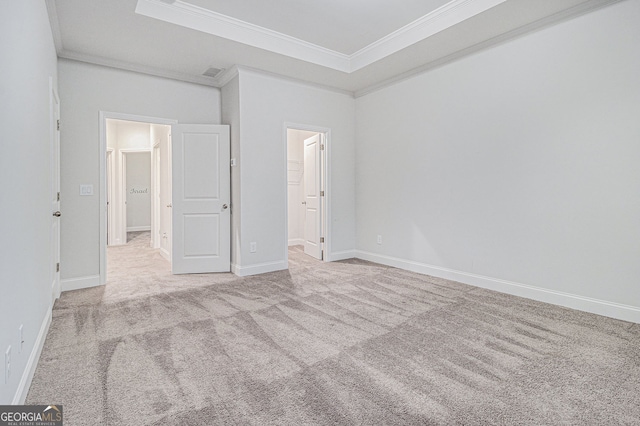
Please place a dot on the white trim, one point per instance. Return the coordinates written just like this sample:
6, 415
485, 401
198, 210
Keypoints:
444, 17
111, 214
293, 80
210, 22
102, 191
138, 228
155, 195
379, 49
207, 21
340, 255
568, 300
548, 21
260, 268
69, 284
103, 116
296, 242
227, 76
27, 375
164, 253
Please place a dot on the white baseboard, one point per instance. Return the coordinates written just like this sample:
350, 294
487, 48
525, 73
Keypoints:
30, 369
573, 301
164, 253
296, 242
138, 228
80, 282
341, 255
261, 268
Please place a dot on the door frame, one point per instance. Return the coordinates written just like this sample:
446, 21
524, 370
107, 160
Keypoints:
110, 170
102, 117
155, 195
325, 185
123, 190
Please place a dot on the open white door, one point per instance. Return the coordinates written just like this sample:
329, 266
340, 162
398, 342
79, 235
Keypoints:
55, 195
201, 195
312, 199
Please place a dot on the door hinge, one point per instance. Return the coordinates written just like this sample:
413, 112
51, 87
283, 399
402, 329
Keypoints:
58, 125
321, 147
322, 239
322, 193
58, 196
58, 267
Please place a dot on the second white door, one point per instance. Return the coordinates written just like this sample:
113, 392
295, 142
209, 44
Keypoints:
201, 196
312, 197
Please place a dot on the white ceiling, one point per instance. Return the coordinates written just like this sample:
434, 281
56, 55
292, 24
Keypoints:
351, 45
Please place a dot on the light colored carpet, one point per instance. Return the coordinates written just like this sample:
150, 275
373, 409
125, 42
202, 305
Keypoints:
328, 344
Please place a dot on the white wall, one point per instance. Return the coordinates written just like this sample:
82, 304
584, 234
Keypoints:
138, 196
86, 90
133, 135
266, 104
29, 60
519, 163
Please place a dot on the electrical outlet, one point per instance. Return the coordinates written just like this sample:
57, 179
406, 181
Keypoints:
21, 337
379, 240
7, 365
253, 247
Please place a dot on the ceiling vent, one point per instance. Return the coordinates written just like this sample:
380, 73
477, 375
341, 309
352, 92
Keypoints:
213, 72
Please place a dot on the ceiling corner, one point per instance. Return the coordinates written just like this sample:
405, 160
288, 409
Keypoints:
227, 76
55, 25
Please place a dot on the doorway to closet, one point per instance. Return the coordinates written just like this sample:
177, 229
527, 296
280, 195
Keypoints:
306, 202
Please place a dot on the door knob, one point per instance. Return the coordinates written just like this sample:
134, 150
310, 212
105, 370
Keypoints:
224, 207
57, 214
169, 205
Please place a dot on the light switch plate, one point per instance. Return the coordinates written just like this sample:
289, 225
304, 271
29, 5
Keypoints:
86, 190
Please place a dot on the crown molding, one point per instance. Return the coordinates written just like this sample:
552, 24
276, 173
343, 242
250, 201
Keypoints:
142, 69
227, 76
248, 70
444, 17
201, 19
452, 8
52, 11
573, 12
207, 21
